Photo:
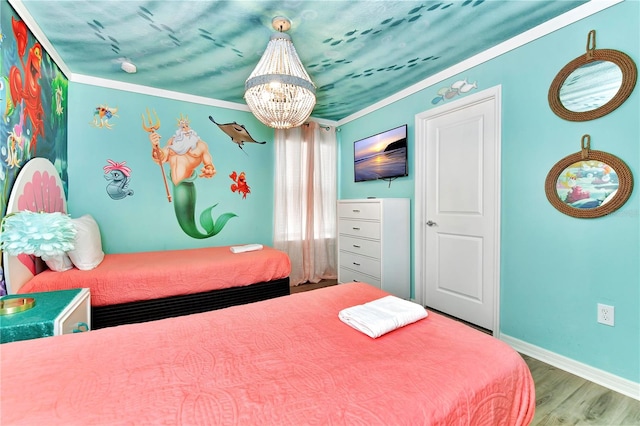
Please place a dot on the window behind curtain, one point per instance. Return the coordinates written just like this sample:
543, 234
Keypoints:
305, 201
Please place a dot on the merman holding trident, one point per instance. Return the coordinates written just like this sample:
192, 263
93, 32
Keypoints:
184, 152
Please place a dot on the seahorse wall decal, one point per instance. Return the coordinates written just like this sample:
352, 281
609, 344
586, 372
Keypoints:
119, 176
185, 152
184, 195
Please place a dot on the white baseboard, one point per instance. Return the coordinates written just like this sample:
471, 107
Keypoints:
608, 380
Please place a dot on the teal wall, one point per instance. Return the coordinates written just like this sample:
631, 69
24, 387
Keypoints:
554, 268
146, 220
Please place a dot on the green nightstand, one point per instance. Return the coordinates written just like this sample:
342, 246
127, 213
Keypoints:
54, 313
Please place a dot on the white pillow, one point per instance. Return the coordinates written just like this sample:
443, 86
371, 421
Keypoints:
87, 253
59, 262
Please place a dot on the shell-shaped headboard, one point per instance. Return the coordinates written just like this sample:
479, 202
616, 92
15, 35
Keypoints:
37, 188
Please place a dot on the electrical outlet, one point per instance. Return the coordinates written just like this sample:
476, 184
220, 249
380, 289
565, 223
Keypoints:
606, 314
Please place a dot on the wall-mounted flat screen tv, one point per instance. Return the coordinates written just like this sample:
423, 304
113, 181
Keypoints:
381, 156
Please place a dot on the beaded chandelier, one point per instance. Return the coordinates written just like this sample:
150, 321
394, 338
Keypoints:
279, 92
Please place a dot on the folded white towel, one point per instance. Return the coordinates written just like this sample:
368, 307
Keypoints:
383, 315
246, 247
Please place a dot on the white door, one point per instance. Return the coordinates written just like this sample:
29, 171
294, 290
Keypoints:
458, 198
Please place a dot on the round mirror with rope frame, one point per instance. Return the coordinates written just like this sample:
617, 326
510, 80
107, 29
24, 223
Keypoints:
583, 71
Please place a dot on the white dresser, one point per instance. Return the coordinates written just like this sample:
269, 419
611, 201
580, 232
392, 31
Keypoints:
374, 243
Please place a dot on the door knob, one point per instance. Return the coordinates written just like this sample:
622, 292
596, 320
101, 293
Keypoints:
431, 223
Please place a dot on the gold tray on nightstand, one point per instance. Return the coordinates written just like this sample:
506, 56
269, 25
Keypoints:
16, 304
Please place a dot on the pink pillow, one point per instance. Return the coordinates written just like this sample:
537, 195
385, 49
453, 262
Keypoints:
87, 253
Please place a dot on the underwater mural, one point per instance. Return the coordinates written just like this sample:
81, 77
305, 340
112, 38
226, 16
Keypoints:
33, 106
185, 152
24, 82
33, 101
119, 177
3, 285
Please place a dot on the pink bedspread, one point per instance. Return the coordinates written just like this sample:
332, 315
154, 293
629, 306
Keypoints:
131, 277
285, 361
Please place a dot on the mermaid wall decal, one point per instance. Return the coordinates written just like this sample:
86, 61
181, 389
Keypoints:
185, 152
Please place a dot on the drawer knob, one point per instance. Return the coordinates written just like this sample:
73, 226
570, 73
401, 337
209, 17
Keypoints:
356, 246
357, 264
355, 228
81, 327
356, 211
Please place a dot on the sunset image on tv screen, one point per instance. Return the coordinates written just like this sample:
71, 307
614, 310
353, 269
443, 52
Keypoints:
381, 156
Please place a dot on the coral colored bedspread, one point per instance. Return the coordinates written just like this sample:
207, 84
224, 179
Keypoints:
132, 277
285, 361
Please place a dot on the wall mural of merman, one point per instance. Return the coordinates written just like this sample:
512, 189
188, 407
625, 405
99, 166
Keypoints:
185, 152
119, 176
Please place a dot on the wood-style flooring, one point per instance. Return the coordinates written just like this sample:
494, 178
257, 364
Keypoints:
563, 398
566, 399
313, 286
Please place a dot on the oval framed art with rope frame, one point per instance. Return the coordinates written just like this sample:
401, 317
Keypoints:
589, 184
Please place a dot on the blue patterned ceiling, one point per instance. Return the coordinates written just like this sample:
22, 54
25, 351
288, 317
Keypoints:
356, 52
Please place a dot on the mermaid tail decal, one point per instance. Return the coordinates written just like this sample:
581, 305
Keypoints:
185, 207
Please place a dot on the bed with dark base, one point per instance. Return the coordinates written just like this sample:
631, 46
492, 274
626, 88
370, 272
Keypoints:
136, 287
166, 307
286, 361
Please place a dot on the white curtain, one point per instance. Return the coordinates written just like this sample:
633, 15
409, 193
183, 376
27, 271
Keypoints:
305, 201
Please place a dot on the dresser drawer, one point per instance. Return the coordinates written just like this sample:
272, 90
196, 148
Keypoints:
360, 246
369, 211
347, 276
359, 228
359, 263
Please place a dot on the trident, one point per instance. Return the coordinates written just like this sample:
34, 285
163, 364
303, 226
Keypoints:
151, 128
